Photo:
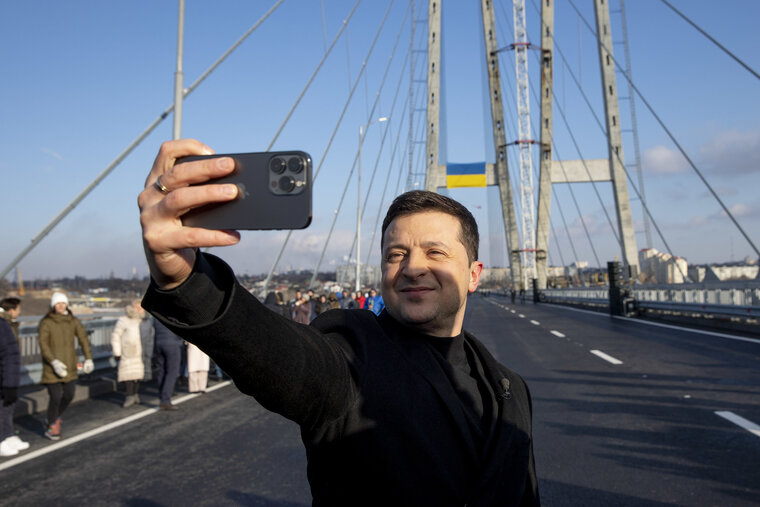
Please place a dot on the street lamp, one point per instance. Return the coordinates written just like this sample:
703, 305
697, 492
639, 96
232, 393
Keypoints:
359, 207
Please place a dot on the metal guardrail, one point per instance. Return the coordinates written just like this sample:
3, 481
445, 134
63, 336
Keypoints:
677, 299
98, 330
750, 312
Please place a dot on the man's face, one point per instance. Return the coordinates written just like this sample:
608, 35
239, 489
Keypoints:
15, 312
372, 293
426, 273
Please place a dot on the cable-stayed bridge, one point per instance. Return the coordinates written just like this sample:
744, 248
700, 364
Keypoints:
641, 415
344, 66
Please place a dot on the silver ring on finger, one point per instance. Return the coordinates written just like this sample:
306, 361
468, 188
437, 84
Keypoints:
160, 186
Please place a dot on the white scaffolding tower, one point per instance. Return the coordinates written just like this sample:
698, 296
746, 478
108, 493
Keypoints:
524, 142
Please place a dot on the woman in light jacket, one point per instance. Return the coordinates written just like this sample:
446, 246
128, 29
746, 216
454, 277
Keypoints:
127, 349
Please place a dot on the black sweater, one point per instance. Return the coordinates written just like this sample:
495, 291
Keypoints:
385, 416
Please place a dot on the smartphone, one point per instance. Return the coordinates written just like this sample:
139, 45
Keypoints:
275, 192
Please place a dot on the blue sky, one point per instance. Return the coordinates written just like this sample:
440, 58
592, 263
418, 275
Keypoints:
82, 79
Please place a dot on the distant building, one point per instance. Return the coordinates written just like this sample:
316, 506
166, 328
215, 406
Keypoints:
746, 270
346, 275
494, 277
660, 267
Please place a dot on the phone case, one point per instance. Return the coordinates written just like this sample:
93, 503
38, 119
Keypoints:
275, 193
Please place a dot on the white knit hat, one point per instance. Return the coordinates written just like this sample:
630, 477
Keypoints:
58, 297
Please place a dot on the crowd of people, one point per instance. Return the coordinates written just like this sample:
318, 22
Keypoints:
305, 306
142, 347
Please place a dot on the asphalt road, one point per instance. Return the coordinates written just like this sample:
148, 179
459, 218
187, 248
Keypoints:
642, 431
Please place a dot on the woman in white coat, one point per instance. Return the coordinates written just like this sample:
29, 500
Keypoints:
197, 367
127, 348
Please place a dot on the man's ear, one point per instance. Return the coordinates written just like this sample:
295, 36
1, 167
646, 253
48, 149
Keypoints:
476, 269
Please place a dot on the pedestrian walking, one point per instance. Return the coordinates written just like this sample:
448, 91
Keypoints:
127, 349
197, 367
10, 366
146, 339
57, 331
168, 353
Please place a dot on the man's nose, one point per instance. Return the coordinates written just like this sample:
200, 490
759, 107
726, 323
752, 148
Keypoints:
415, 265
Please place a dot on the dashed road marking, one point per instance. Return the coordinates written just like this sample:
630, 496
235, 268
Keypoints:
741, 422
606, 357
535, 322
557, 334
521, 316
101, 429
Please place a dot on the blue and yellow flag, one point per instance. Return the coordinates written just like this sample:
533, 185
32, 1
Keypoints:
466, 175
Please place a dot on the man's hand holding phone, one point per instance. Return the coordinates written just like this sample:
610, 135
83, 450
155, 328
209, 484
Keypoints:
172, 190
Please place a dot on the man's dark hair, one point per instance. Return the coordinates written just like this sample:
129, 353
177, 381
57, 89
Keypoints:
418, 201
10, 303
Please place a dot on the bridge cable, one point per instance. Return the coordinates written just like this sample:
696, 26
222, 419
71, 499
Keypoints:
387, 179
725, 50
580, 155
604, 131
680, 148
575, 200
377, 99
401, 168
580, 214
556, 198
332, 138
319, 66
139, 139
389, 118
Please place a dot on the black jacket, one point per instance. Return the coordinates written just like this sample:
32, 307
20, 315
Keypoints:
381, 422
10, 358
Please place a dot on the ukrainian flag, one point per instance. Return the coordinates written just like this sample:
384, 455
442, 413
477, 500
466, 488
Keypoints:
466, 175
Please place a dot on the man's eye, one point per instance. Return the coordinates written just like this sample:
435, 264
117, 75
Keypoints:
436, 253
394, 257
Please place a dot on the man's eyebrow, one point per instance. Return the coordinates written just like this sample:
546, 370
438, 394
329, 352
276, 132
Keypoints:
426, 244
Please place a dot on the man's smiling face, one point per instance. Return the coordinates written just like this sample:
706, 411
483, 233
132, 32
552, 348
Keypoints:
426, 272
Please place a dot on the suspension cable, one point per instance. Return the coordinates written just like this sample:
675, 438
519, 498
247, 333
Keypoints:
678, 145
604, 132
377, 99
84, 193
725, 50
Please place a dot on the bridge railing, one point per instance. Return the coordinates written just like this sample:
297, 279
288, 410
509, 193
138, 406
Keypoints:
735, 305
98, 330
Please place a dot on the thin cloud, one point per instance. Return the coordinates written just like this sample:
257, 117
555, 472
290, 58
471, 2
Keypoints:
663, 160
733, 152
48, 151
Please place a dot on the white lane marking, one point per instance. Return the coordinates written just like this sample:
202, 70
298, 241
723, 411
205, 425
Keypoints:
741, 422
606, 357
512, 311
557, 334
521, 316
535, 322
102, 429
657, 324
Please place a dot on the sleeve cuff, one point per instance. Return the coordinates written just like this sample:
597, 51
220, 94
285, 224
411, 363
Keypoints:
198, 300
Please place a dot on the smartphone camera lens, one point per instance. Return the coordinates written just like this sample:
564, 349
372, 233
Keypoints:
287, 184
295, 165
277, 165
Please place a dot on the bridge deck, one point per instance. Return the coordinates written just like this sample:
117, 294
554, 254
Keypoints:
642, 431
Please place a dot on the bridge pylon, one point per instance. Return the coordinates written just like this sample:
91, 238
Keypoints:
496, 173
583, 171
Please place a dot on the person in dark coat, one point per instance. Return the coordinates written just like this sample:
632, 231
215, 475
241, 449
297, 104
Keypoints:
272, 302
168, 354
10, 365
402, 408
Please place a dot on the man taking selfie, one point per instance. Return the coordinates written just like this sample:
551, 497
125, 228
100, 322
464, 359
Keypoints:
401, 408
